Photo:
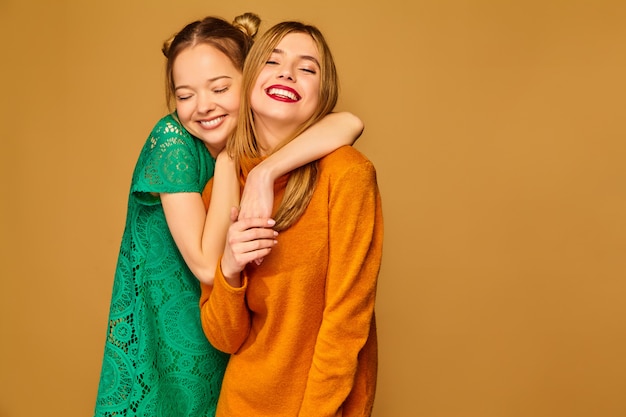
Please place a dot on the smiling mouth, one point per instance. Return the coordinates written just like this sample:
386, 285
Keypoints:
212, 122
282, 94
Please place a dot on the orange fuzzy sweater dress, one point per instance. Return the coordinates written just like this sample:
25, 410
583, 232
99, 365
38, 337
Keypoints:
301, 328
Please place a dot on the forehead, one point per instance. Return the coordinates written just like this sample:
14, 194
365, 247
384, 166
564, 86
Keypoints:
203, 59
299, 44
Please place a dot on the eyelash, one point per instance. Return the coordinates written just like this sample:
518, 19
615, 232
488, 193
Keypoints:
216, 91
307, 70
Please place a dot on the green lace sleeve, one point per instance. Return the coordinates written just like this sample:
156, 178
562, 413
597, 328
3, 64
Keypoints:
171, 161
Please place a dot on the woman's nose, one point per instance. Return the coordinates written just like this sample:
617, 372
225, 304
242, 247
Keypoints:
206, 104
286, 72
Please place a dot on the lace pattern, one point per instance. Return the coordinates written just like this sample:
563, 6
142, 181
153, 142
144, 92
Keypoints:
157, 361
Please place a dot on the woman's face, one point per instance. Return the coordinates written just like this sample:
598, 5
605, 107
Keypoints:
286, 92
207, 86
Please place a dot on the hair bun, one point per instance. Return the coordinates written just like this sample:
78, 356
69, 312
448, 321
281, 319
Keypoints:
248, 23
166, 45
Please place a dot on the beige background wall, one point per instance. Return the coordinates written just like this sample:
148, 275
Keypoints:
497, 128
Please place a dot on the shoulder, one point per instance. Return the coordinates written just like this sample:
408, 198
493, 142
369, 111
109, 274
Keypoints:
169, 122
169, 127
168, 135
347, 175
345, 160
170, 143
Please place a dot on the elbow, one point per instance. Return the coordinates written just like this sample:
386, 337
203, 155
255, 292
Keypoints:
229, 348
225, 328
359, 126
206, 276
356, 125
220, 340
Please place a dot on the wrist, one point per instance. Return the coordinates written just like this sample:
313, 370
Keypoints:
263, 173
223, 161
232, 278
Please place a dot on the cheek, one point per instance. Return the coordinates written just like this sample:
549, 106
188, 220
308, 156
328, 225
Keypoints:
257, 92
184, 110
314, 95
255, 98
232, 104
315, 89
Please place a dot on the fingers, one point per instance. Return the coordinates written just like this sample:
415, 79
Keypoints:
252, 223
248, 240
242, 258
253, 240
234, 213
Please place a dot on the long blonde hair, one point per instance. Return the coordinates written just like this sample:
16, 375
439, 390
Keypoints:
243, 147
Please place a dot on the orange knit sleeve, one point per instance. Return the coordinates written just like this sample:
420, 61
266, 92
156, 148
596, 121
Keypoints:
356, 233
224, 315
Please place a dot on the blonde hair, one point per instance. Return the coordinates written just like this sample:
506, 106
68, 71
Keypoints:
233, 40
244, 148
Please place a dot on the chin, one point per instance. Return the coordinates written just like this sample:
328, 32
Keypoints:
217, 144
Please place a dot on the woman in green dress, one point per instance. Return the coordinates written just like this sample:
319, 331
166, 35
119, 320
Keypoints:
157, 361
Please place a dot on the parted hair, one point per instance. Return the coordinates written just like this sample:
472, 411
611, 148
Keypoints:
233, 39
243, 146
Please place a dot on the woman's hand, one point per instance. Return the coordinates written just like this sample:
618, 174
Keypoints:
257, 200
248, 240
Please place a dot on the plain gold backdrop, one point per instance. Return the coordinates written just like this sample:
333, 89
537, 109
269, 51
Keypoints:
497, 129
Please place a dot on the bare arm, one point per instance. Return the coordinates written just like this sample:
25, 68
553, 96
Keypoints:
332, 132
200, 236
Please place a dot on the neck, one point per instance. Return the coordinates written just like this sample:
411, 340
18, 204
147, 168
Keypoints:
271, 135
213, 151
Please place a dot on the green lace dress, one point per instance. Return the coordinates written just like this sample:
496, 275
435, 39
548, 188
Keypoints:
157, 361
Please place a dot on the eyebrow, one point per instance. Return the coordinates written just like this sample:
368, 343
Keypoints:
305, 57
219, 77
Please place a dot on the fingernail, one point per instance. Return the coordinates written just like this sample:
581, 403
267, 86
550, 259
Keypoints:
271, 222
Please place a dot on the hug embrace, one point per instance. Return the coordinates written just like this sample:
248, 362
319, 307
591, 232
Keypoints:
282, 247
